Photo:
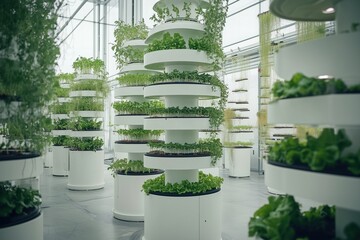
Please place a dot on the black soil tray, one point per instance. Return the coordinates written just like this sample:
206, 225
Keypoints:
167, 194
340, 170
162, 154
154, 172
29, 214
16, 155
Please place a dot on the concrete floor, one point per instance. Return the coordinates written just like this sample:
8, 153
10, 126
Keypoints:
77, 215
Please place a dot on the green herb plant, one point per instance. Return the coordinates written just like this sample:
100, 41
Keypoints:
84, 124
126, 166
85, 144
83, 65
61, 124
86, 104
215, 115
206, 183
140, 79
210, 146
136, 108
15, 200
60, 140
27, 70
139, 134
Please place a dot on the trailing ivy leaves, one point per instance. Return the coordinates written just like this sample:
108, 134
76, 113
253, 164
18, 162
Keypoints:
125, 166
281, 218
206, 183
302, 86
125, 32
14, 200
324, 152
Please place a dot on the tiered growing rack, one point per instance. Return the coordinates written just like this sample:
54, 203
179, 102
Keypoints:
338, 56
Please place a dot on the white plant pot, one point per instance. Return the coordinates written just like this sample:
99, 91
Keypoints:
21, 168
98, 133
123, 92
87, 114
84, 94
128, 197
48, 157
238, 160
179, 218
32, 229
60, 161
86, 170
59, 116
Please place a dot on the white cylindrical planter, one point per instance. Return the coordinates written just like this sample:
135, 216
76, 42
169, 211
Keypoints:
182, 218
239, 161
86, 170
32, 229
128, 197
48, 157
60, 161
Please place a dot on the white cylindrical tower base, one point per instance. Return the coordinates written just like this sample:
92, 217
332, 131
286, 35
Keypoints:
347, 14
176, 176
86, 170
60, 161
128, 197
181, 136
32, 229
239, 162
179, 218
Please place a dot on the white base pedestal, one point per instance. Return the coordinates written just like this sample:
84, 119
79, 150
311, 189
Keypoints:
128, 197
32, 229
86, 170
179, 218
239, 160
60, 161
48, 158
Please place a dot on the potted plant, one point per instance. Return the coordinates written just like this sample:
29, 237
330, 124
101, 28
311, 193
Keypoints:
87, 94
182, 48
125, 52
25, 65
60, 155
129, 173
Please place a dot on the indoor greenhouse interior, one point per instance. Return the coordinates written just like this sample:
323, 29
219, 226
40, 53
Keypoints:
179, 119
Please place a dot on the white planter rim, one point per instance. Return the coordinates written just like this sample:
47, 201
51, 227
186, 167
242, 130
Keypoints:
302, 11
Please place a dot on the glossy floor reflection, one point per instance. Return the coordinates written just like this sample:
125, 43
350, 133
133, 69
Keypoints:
78, 215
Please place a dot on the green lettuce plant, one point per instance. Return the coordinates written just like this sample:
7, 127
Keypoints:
324, 152
281, 218
83, 124
302, 86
